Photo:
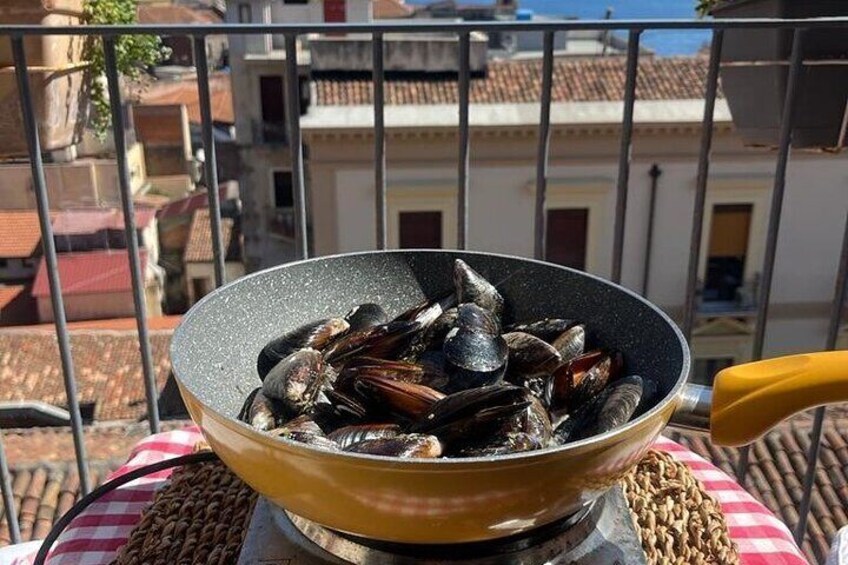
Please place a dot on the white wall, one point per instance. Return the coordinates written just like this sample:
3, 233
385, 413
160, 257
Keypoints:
206, 271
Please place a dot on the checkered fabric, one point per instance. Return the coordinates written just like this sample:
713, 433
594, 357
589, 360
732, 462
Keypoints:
94, 537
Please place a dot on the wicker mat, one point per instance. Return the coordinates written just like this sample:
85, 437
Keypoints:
202, 514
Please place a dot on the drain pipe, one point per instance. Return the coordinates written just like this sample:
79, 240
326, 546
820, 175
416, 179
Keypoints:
655, 173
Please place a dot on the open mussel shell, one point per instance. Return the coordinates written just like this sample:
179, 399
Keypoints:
299, 380
419, 446
342, 408
383, 341
407, 401
430, 373
547, 329
366, 316
516, 442
571, 343
474, 359
349, 435
529, 355
314, 335
261, 412
471, 414
566, 388
309, 438
472, 287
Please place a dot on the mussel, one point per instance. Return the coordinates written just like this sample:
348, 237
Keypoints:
571, 343
405, 446
315, 335
299, 380
349, 435
472, 287
547, 329
261, 412
377, 341
366, 316
529, 355
474, 359
516, 442
404, 400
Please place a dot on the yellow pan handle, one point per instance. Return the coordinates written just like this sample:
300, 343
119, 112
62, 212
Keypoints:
750, 399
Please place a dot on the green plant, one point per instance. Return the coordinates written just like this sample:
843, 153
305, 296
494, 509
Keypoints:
703, 7
134, 55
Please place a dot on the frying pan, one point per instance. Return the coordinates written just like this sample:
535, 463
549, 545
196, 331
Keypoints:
214, 353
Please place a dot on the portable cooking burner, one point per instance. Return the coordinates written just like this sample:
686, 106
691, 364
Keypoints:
602, 532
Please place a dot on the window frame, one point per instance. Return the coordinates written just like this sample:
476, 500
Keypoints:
239, 7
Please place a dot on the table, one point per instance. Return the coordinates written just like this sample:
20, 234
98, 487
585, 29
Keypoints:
96, 534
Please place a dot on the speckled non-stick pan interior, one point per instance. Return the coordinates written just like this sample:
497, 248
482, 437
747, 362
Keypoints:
215, 348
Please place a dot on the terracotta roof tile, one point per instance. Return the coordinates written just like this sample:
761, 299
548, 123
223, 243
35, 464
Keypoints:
185, 92
391, 9
176, 14
9, 293
91, 272
106, 363
192, 202
199, 246
20, 234
593, 79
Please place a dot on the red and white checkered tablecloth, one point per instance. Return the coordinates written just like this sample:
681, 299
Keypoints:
94, 536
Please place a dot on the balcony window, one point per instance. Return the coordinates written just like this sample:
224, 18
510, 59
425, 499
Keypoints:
566, 235
420, 230
727, 252
245, 14
282, 220
273, 109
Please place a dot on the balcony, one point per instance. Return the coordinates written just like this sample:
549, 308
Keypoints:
752, 299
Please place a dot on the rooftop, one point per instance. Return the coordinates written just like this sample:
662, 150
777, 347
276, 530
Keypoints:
199, 199
90, 220
9, 293
167, 13
20, 233
391, 9
90, 272
199, 246
106, 363
593, 79
185, 92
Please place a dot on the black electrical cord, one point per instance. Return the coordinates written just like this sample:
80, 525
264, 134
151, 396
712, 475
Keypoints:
84, 502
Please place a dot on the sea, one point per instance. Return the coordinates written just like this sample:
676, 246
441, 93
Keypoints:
661, 42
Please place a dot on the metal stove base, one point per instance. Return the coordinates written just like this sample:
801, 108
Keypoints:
608, 537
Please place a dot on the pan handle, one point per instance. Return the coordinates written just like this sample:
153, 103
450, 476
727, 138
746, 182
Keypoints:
748, 400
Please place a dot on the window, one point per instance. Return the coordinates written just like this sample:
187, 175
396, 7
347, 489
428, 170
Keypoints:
4, 263
245, 15
273, 109
335, 11
705, 369
199, 288
295, 2
727, 252
420, 230
283, 192
565, 237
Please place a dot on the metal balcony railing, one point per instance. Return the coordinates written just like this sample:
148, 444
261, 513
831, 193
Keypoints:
463, 30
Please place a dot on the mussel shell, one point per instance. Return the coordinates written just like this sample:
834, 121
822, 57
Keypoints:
571, 343
471, 414
343, 408
315, 335
517, 442
365, 316
378, 341
298, 380
303, 423
529, 355
559, 391
547, 329
308, 438
431, 337
471, 317
350, 435
650, 391
534, 421
474, 359
472, 287
404, 400
261, 412
373, 367
589, 385
611, 409
404, 446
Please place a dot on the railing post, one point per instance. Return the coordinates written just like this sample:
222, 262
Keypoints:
150, 389
379, 138
296, 147
210, 160
49, 250
625, 153
786, 123
543, 150
464, 85
8, 500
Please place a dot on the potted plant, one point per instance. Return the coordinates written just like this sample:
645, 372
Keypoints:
755, 69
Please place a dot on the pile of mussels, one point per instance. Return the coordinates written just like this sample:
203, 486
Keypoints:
441, 379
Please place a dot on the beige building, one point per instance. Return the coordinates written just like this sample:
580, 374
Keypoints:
199, 271
421, 140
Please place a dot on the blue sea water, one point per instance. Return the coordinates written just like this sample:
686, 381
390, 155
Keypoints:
662, 42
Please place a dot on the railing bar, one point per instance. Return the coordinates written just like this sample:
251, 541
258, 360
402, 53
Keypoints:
49, 251
711, 89
8, 501
625, 153
464, 86
379, 139
424, 27
785, 140
111, 68
296, 147
839, 296
544, 146
210, 159
654, 172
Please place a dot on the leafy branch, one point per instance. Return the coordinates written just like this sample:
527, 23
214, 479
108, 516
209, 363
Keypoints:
134, 54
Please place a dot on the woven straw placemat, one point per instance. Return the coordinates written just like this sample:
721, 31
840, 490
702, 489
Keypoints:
202, 514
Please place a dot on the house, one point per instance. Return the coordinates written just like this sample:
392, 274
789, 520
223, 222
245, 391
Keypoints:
181, 46
89, 229
199, 258
164, 131
97, 284
20, 250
